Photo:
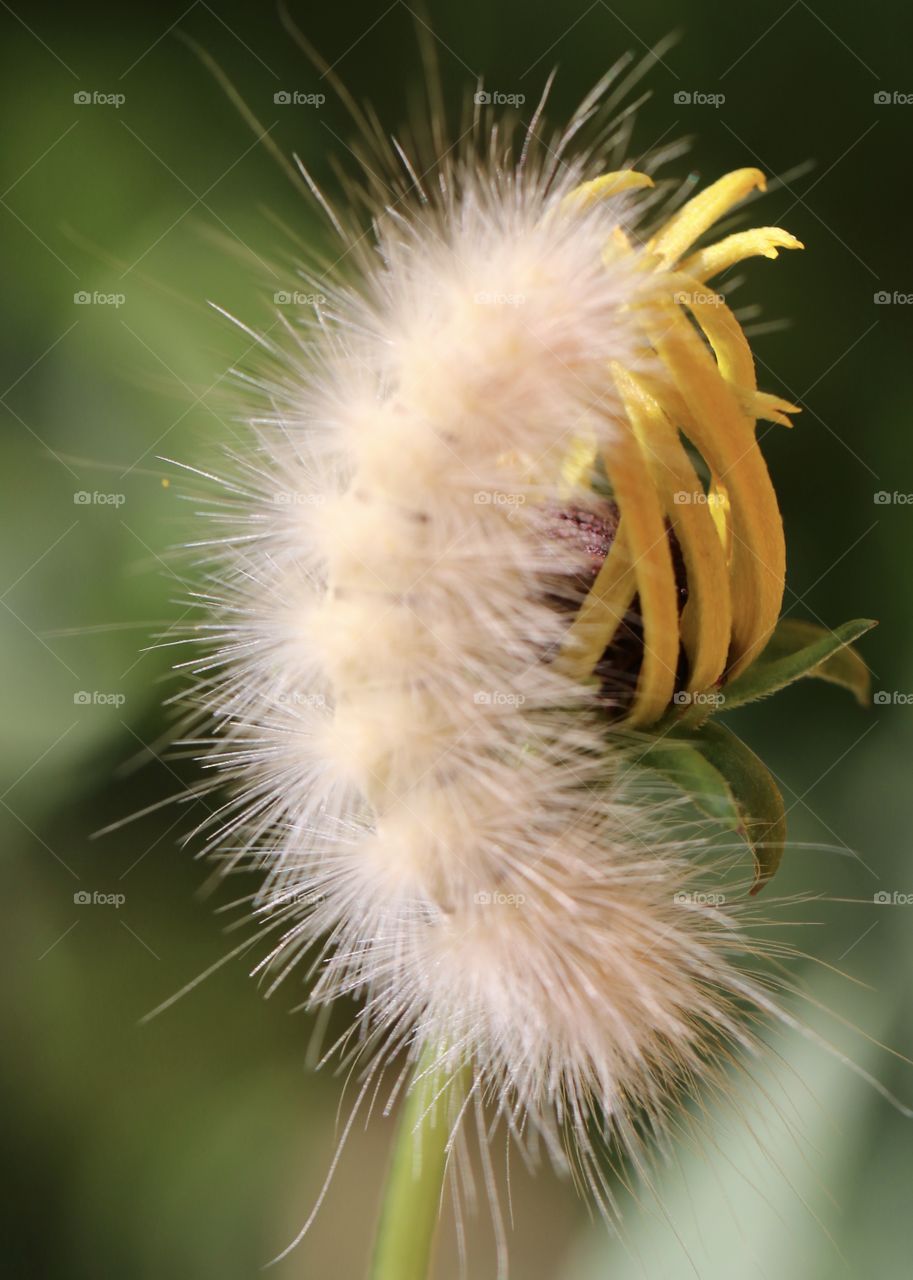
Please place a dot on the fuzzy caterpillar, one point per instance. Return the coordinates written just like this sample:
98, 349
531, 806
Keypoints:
443, 811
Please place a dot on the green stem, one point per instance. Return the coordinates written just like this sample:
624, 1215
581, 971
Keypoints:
413, 1193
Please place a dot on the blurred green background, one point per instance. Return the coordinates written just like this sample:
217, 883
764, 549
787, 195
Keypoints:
195, 1144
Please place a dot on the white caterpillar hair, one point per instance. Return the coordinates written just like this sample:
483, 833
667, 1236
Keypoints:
447, 820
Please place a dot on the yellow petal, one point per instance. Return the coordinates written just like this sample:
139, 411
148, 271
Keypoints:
706, 618
648, 541
609, 184
771, 408
601, 613
726, 438
724, 333
761, 242
702, 211
577, 465
721, 514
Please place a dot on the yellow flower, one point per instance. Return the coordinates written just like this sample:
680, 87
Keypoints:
697, 381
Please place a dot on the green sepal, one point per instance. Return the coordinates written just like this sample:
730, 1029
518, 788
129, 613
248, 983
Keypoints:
798, 649
682, 763
756, 795
727, 781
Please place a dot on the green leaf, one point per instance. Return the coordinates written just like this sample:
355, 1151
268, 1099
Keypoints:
798, 649
762, 815
679, 760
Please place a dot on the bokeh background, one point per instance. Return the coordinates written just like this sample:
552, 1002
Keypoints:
195, 1144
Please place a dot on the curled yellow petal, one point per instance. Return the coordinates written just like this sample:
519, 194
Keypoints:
601, 188
648, 541
601, 613
702, 211
706, 618
725, 436
667, 395
760, 242
724, 333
